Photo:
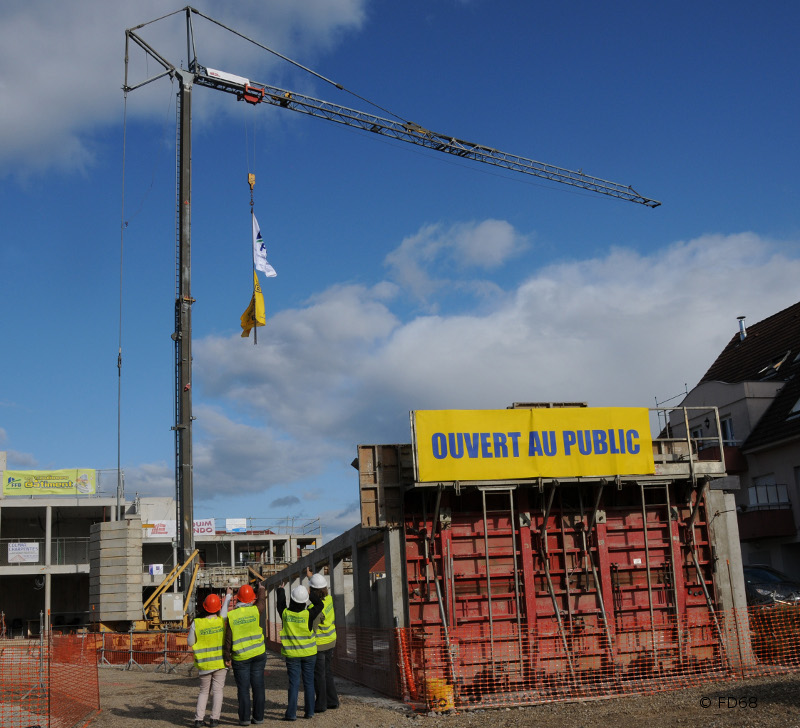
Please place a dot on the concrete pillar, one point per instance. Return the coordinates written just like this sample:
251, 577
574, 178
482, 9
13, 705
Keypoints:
48, 560
48, 532
394, 556
364, 614
723, 530
233, 553
343, 598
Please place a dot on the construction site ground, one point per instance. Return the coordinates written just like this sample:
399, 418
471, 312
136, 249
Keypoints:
138, 699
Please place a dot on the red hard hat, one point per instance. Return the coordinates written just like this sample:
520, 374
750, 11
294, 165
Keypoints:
212, 604
246, 594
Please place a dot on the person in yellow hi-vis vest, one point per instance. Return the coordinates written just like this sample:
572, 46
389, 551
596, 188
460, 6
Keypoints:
325, 630
298, 646
245, 651
206, 635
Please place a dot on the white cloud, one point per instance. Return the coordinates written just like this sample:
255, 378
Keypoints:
345, 369
69, 64
150, 479
337, 521
484, 245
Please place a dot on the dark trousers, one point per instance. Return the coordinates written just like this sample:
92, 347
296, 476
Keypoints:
298, 667
249, 676
327, 697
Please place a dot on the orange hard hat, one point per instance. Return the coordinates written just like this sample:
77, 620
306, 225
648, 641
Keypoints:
212, 604
246, 594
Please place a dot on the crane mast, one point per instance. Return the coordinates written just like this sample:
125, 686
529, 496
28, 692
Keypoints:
258, 93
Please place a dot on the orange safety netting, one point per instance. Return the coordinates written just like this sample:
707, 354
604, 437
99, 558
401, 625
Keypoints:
164, 650
569, 662
48, 682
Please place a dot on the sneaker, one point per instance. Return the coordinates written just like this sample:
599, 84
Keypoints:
199, 724
213, 723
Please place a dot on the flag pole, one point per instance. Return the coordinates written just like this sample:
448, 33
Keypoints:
251, 180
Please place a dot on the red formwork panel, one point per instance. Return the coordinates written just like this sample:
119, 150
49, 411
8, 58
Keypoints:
569, 580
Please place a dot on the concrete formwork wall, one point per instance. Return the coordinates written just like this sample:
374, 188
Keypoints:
575, 578
571, 579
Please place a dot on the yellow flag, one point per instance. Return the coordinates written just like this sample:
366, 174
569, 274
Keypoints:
254, 315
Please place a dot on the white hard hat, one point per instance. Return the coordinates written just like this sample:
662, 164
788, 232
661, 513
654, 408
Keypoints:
300, 594
318, 581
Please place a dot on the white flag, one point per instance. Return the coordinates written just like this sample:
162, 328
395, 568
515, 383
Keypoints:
260, 252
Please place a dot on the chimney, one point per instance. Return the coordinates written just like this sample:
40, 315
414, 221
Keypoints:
742, 329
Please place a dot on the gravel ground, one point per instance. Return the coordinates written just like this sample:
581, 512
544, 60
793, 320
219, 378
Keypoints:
136, 699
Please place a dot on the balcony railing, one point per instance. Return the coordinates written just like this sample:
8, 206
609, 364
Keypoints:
30, 551
766, 521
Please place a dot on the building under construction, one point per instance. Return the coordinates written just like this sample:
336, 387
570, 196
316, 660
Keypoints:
535, 553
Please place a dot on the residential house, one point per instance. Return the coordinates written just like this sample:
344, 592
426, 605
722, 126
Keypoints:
755, 384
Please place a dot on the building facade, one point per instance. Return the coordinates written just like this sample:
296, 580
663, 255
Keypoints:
45, 555
755, 384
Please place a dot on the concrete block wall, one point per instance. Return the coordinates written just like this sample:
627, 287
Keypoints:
115, 570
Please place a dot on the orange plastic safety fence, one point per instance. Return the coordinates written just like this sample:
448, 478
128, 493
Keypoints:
48, 682
498, 666
74, 686
159, 650
408, 685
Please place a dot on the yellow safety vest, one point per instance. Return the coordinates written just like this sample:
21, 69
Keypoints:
297, 640
326, 627
248, 637
210, 634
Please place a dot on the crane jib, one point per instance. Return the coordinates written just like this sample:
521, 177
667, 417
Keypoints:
255, 93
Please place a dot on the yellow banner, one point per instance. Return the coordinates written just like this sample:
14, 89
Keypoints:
530, 443
50, 482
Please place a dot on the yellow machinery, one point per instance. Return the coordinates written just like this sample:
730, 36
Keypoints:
158, 614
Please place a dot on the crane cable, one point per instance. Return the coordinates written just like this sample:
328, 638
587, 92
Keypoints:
335, 84
251, 180
318, 75
123, 225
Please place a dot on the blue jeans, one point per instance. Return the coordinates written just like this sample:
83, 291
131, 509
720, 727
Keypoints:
294, 667
249, 675
327, 697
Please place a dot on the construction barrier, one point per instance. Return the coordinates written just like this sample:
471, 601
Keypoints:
162, 650
436, 671
433, 669
48, 682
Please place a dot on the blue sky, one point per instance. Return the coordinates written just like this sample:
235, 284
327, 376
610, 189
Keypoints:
406, 279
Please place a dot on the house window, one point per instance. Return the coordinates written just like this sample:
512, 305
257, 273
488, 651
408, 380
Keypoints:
766, 493
726, 430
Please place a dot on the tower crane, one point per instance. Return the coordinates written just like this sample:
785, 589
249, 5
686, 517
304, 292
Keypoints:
259, 93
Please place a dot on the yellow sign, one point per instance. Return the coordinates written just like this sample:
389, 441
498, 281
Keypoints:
50, 482
511, 444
